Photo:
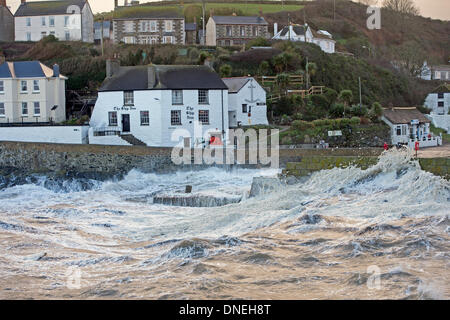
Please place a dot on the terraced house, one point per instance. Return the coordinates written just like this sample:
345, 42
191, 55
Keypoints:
68, 20
134, 26
234, 30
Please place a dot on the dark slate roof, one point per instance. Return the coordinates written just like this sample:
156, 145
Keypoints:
4, 71
190, 26
235, 84
25, 69
137, 12
404, 115
299, 30
38, 8
239, 20
444, 88
156, 77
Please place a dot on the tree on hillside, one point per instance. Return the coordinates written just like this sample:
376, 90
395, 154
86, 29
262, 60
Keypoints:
225, 71
346, 97
402, 6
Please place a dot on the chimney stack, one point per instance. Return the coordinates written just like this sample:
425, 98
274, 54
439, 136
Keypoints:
22, 1
116, 3
211, 12
3, 3
260, 12
112, 67
275, 29
56, 70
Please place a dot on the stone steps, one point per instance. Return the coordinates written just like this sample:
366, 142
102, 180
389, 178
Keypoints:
132, 140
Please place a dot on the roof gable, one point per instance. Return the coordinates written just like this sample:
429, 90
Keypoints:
43, 8
236, 84
25, 69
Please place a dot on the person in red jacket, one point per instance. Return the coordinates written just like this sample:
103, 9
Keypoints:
386, 147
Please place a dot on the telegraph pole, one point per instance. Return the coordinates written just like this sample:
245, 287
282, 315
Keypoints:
203, 9
360, 97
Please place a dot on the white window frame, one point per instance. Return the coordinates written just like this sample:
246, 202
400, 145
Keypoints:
112, 121
203, 96
177, 97
203, 116
168, 39
128, 98
28, 36
230, 28
66, 21
2, 87
36, 85
43, 21
24, 108
242, 31
43, 34
22, 83
168, 23
2, 110
145, 118
153, 26
175, 118
38, 108
28, 22
67, 35
51, 21
128, 26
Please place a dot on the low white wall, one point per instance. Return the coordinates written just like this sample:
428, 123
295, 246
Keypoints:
46, 134
106, 140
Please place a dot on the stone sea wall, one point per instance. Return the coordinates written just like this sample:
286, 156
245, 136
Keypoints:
310, 164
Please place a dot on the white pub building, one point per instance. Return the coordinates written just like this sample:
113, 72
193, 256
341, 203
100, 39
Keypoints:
151, 105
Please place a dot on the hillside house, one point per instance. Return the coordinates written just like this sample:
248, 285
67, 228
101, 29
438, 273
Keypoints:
31, 92
234, 30
438, 102
146, 105
409, 125
148, 27
68, 20
305, 33
6, 23
247, 102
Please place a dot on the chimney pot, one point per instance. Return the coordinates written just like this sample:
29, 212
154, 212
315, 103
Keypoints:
21, 1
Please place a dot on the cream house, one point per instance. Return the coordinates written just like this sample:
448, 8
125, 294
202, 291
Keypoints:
31, 92
68, 20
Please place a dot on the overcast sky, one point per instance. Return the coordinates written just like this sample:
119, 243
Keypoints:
439, 9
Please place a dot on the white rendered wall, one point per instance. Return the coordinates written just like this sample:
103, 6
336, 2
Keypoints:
46, 134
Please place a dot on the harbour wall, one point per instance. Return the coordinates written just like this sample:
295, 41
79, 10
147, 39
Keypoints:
310, 164
100, 161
